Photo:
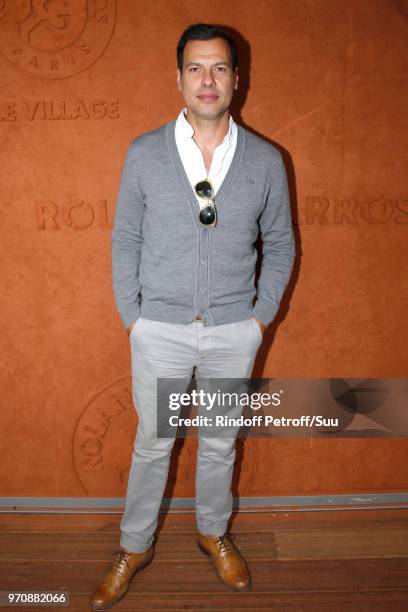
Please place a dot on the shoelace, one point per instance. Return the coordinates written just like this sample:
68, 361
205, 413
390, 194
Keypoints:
222, 543
121, 558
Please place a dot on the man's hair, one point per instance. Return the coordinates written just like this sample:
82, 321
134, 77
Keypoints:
205, 31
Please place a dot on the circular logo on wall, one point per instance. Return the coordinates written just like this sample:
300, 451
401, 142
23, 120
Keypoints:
54, 39
103, 438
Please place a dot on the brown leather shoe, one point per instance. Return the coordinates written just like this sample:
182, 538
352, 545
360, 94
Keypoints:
116, 581
228, 561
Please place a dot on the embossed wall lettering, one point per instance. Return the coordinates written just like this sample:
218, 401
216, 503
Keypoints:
75, 215
342, 210
316, 210
51, 110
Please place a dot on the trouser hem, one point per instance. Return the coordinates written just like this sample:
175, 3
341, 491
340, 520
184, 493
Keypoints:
136, 545
213, 530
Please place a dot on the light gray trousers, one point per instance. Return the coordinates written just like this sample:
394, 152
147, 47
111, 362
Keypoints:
172, 350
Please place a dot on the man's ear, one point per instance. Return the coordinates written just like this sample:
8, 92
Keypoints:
178, 79
236, 81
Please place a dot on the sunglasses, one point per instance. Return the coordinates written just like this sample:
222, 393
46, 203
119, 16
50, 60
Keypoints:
208, 214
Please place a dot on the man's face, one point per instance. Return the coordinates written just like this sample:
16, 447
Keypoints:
207, 81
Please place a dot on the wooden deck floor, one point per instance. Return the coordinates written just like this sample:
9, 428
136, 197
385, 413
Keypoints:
304, 561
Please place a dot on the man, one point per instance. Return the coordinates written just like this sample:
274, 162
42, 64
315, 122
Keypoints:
193, 195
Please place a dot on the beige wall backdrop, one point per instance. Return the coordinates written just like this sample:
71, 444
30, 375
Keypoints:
326, 81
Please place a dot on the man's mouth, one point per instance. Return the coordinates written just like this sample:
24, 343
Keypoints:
207, 96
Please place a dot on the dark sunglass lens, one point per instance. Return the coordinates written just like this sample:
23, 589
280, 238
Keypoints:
207, 215
204, 189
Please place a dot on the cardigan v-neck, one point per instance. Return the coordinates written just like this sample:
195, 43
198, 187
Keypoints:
193, 158
174, 154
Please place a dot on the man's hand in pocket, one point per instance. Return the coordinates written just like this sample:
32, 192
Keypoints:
129, 329
261, 325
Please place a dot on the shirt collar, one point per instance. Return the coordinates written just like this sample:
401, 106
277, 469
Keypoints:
186, 130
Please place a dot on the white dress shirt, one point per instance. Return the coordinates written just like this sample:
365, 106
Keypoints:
192, 157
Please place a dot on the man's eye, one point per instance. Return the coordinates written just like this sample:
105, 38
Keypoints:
193, 69
221, 68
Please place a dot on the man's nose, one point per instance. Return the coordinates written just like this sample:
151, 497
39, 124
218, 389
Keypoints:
208, 78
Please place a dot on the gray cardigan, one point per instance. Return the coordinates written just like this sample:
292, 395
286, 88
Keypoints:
166, 266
